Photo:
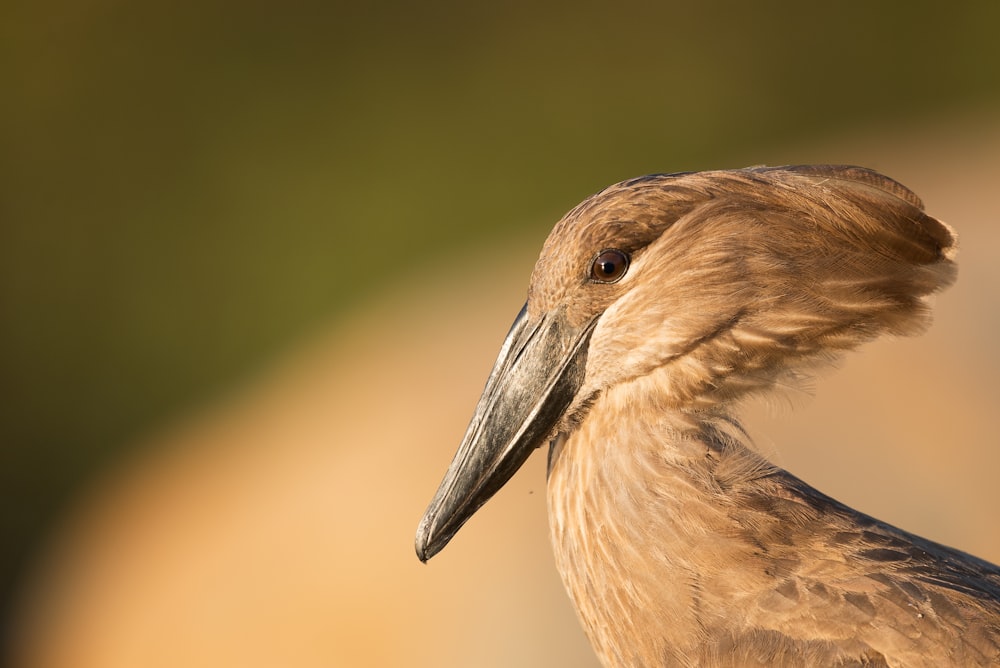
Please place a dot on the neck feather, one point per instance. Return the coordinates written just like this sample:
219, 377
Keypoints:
642, 511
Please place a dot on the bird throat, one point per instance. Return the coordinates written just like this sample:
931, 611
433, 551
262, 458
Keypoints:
639, 513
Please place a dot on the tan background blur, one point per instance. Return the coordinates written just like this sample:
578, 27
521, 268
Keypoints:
255, 264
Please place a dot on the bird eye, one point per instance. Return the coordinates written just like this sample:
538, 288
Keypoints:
609, 266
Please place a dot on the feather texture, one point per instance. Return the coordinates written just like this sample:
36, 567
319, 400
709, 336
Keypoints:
656, 306
677, 542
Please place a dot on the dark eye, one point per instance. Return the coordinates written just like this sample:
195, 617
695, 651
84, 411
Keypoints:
609, 266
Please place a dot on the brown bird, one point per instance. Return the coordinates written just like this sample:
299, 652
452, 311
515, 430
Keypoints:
655, 307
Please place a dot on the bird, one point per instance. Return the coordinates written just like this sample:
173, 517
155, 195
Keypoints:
656, 307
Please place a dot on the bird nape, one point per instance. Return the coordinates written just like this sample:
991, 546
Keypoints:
655, 307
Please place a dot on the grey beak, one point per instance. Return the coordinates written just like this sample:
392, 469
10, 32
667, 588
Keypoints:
537, 374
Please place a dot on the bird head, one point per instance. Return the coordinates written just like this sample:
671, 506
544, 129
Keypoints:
710, 286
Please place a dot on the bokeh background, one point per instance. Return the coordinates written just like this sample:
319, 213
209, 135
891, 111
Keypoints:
256, 260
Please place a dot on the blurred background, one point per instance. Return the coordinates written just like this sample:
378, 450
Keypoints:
256, 262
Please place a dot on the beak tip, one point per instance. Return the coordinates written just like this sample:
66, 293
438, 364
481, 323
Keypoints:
424, 543
424, 556
422, 551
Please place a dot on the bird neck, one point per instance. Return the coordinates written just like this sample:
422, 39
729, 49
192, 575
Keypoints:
640, 509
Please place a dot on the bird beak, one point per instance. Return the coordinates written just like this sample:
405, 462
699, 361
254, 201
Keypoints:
535, 378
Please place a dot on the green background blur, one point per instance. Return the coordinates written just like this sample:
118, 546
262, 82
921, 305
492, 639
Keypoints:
191, 188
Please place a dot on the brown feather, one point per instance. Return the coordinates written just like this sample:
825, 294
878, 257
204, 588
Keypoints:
656, 306
677, 542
